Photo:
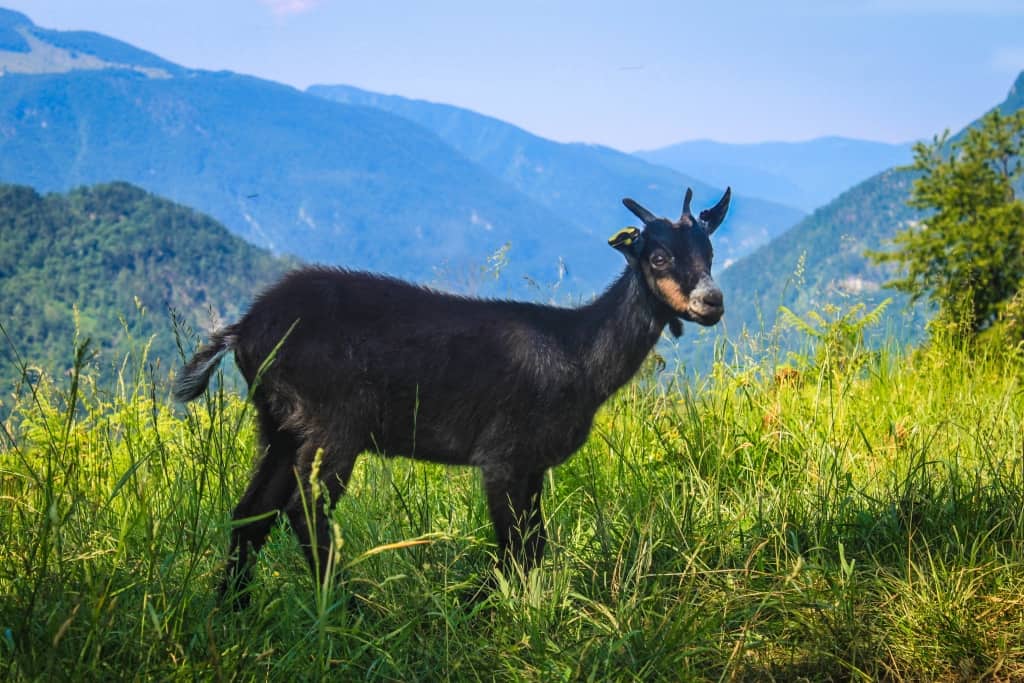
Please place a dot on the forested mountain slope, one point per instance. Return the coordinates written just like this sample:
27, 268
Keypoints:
94, 257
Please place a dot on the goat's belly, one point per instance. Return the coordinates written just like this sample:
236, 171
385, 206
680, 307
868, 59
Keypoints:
421, 445
440, 457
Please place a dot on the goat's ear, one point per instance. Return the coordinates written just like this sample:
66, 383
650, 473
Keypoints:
639, 211
713, 217
629, 242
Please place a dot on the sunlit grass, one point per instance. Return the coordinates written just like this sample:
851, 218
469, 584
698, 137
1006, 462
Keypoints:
829, 521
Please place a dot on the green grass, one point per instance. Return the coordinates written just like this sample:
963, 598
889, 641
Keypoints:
815, 524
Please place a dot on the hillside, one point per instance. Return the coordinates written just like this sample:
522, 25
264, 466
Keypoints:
803, 174
585, 182
104, 251
831, 243
286, 170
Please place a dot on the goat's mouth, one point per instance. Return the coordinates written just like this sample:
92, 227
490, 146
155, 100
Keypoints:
703, 315
703, 305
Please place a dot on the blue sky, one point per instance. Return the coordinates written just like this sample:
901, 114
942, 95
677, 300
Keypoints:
631, 75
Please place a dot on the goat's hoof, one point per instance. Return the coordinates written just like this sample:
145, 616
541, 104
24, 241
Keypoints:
474, 596
477, 594
238, 601
236, 597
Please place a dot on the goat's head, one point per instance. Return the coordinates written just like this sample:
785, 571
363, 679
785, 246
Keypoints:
674, 258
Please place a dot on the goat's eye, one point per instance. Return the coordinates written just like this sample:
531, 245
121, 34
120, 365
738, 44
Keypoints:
660, 260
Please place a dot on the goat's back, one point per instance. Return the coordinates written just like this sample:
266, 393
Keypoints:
351, 317
395, 352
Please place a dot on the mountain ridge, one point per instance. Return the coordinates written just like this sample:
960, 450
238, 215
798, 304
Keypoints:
19, 35
590, 178
327, 182
806, 174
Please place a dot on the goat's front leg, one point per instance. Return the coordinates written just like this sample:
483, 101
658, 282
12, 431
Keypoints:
514, 503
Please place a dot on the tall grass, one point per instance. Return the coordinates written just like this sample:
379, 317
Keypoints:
832, 521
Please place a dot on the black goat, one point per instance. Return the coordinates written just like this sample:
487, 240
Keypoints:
373, 363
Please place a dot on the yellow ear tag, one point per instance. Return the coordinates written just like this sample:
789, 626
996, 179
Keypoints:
623, 237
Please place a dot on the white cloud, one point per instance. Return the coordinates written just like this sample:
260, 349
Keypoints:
282, 7
1008, 59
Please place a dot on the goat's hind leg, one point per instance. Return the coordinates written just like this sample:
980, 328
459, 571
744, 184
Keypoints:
269, 490
307, 511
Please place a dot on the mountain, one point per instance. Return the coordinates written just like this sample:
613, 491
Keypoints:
93, 256
286, 170
803, 174
821, 260
325, 180
585, 182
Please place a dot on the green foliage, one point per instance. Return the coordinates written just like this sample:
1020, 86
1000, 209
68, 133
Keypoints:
866, 527
838, 335
1011, 319
109, 263
967, 255
819, 262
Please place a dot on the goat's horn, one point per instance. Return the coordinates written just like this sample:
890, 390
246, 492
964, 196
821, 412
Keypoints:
639, 211
713, 217
686, 219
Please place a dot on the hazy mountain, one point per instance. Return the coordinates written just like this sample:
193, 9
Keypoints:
286, 170
95, 255
584, 182
804, 174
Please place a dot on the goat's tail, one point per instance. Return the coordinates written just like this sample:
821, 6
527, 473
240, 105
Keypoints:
194, 377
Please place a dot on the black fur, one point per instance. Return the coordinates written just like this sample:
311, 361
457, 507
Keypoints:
370, 363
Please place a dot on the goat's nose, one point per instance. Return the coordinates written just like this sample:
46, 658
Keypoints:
710, 297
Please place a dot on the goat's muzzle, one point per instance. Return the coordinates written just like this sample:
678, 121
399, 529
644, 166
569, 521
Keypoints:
705, 303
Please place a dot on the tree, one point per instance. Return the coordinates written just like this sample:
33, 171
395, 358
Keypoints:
967, 255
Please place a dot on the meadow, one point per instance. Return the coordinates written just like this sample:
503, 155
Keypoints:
839, 514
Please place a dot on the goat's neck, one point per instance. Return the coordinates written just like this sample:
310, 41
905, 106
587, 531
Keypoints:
621, 327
